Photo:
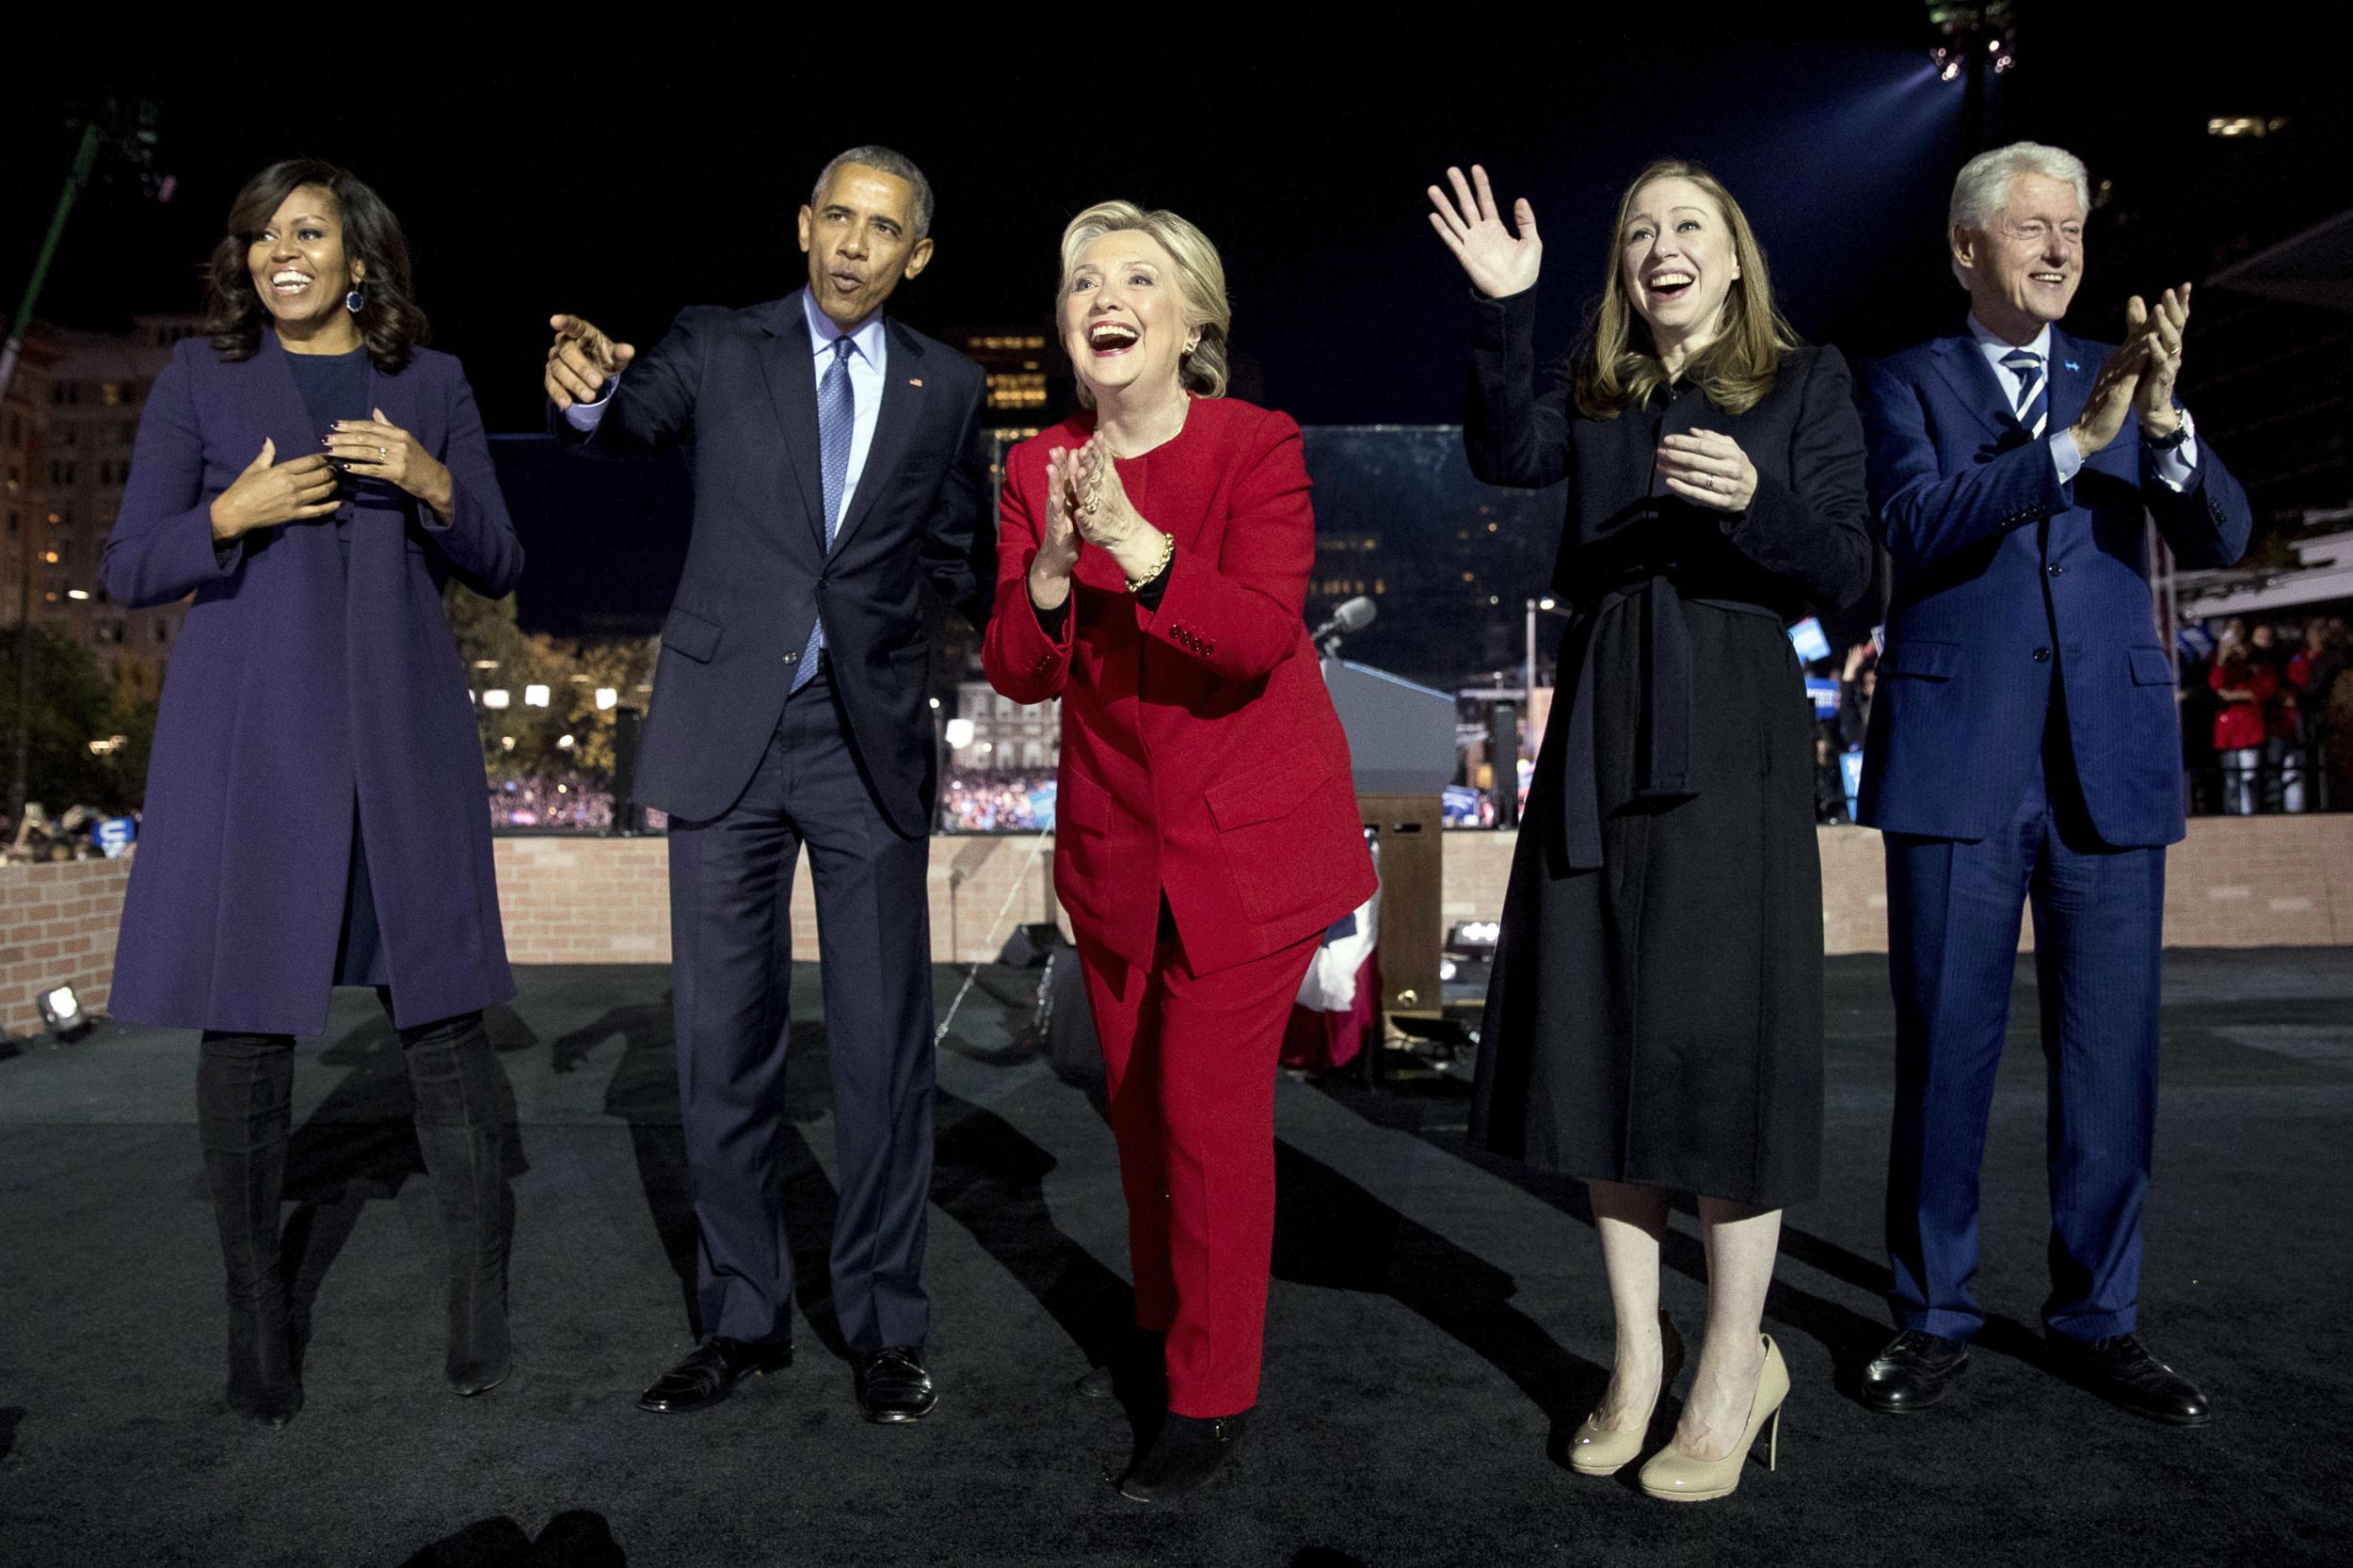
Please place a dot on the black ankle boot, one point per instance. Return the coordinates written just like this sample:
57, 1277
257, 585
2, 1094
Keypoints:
464, 1143
244, 1109
1186, 1453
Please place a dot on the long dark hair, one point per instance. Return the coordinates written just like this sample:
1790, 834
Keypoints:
389, 322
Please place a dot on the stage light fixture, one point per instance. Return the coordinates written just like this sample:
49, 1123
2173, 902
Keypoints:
62, 1011
608, 697
497, 697
959, 733
535, 697
563, 742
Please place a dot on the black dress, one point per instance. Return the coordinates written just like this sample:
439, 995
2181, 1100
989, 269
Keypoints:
335, 387
1656, 1010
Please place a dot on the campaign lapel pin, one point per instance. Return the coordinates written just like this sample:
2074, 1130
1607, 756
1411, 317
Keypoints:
2073, 365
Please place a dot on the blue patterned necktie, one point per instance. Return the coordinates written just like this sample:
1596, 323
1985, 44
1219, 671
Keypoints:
837, 424
2033, 409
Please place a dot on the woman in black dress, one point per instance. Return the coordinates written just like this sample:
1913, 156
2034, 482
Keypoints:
1654, 1020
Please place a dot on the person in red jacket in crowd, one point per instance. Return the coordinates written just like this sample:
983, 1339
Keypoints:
1152, 573
2246, 683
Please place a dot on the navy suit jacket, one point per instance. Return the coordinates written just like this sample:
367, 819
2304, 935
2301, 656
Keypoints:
734, 388
2001, 573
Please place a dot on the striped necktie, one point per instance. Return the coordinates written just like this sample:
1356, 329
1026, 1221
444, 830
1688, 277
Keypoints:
837, 424
2033, 410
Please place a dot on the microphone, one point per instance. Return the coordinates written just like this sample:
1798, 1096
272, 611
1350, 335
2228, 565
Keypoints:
1353, 617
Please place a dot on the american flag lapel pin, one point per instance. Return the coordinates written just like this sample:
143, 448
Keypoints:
2071, 364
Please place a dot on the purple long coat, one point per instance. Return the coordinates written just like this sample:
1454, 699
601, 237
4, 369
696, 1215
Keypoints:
293, 692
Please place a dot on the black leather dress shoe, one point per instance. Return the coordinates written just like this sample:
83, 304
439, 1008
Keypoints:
709, 1373
1913, 1372
1187, 1452
2120, 1370
892, 1385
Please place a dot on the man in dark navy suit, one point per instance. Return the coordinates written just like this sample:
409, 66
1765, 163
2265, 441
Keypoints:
837, 465
2023, 747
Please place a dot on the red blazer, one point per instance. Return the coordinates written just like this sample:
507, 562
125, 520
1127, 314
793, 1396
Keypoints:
1201, 758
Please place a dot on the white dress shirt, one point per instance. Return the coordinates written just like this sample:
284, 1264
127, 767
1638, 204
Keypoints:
2176, 468
870, 361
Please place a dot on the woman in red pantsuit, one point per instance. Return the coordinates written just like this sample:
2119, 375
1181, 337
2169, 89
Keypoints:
1152, 572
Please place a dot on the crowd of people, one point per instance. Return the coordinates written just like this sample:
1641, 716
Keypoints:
996, 803
572, 803
2268, 718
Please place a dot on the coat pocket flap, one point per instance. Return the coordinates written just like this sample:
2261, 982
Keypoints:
2149, 667
692, 635
1928, 661
1264, 795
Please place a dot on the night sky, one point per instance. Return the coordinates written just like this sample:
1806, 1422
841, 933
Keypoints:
625, 176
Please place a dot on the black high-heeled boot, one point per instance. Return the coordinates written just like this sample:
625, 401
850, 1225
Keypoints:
1187, 1452
243, 1111
455, 1083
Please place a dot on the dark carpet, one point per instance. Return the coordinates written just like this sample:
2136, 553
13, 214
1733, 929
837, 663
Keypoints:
1438, 1324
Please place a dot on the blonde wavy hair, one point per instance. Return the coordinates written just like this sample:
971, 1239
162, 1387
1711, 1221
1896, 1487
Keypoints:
1616, 370
1200, 284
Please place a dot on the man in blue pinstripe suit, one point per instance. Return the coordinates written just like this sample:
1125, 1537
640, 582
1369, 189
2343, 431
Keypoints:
2023, 749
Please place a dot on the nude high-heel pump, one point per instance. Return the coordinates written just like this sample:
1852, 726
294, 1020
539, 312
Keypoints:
1679, 1478
1596, 1451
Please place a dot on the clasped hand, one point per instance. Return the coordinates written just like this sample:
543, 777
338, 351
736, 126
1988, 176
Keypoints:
1085, 501
2139, 377
379, 449
1707, 470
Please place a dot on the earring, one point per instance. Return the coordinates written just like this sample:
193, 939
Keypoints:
354, 300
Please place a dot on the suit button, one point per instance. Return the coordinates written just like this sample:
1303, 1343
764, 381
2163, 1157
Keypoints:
2041, 655
2056, 571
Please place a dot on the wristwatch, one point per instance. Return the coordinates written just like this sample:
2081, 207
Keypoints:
2182, 433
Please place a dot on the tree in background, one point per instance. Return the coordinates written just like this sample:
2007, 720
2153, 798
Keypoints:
520, 741
75, 705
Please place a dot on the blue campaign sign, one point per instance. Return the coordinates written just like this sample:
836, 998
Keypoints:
114, 835
1824, 690
1808, 639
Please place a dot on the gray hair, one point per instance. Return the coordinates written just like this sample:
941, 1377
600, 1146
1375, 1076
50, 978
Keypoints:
1983, 184
883, 160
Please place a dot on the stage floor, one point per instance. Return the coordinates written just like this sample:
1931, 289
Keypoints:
1437, 1323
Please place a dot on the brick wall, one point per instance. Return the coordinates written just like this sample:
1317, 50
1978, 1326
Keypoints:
2237, 881
57, 928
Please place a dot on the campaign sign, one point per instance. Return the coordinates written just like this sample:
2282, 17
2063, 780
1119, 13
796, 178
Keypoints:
1824, 690
114, 835
1810, 642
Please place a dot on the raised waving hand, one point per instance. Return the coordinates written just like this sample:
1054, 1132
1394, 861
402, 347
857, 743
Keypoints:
1499, 260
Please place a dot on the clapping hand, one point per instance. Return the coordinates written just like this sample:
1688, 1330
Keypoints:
2162, 329
1058, 547
269, 492
1707, 470
580, 360
1498, 263
2111, 398
379, 449
1106, 517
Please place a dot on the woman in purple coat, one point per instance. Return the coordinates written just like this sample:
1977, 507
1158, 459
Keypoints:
316, 800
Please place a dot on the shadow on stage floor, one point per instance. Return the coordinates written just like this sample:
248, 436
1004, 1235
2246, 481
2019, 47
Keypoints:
1436, 1326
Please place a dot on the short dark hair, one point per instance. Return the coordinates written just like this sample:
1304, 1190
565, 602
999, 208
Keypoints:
389, 322
886, 161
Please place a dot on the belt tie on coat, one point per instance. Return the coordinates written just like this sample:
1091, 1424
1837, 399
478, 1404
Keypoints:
1665, 768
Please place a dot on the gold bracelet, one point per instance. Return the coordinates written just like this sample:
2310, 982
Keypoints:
1168, 554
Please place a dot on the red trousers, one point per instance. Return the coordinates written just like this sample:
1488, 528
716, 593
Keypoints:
1192, 1062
